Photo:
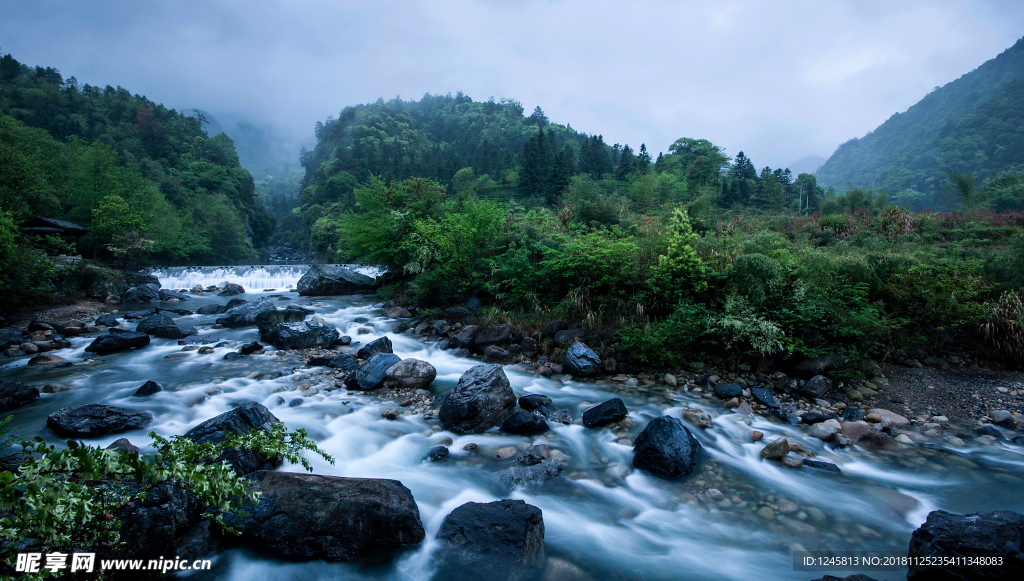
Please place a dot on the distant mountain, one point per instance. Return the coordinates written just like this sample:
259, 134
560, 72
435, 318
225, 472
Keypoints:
974, 125
806, 164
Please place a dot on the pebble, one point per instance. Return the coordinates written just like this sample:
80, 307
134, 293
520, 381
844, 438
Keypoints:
470, 447
792, 461
506, 452
756, 436
766, 513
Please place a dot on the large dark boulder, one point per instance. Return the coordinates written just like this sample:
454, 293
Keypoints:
495, 354
211, 309
410, 374
148, 389
144, 293
327, 279
609, 411
14, 394
267, 320
481, 400
666, 448
581, 361
728, 390
308, 516
382, 345
239, 421
244, 315
816, 387
497, 541
344, 362
495, 335
166, 295
567, 337
524, 423
534, 401
465, 338
764, 395
155, 526
94, 420
816, 365
108, 320
372, 372
118, 340
998, 535
302, 335
164, 327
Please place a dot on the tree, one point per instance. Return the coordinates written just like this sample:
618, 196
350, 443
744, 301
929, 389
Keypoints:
771, 192
684, 151
743, 180
643, 159
701, 174
679, 272
627, 163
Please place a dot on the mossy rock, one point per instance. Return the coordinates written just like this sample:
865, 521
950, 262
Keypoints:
852, 394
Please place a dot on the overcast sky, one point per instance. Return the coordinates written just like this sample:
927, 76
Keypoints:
778, 79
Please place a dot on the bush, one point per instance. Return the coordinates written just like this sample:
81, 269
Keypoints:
739, 327
664, 341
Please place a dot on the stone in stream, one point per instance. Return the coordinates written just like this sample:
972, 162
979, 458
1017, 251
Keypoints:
166, 295
267, 320
245, 315
144, 293
531, 468
108, 320
697, 417
605, 412
243, 419
480, 400
776, 450
499, 541
250, 348
466, 337
495, 354
302, 335
118, 340
822, 465
728, 390
308, 517
328, 279
581, 361
14, 394
381, 345
236, 303
148, 388
211, 309
344, 362
93, 420
164, 327
945, 540
825, 431
764, 395
524, 423
666, 448
410, 374
496, 335
372, 372
46, 359
438, 453
535, 401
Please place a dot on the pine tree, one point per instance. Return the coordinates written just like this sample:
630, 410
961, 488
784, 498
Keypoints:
643, 159
627, 163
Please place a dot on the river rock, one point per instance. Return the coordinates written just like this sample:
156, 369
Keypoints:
524, 423
728, 390
995, 535
817, 417
144, 293
164, 327
45, 359
308, 516
267, 320
438, 453
250, 348
410, 374
666, 448
108, 320
372, 372
501, 541
465, 338
328, 279
14, 394
531, 468
118, 340
166, 295
302, 335
94, 420
605, 412
382, 345
567, 337
495, 354
825, 431
147, 389
581, 361
237, 303
697, 417
1003, 418
529, 346
154, 527
815, 387
535, 401
776, 450
894, 418
243, 419
481, 400
245, 315
821, 465
495, 335
344, 362
764, 395
816, 365
211, 309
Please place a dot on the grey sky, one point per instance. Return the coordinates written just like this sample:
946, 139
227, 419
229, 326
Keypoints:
778, 79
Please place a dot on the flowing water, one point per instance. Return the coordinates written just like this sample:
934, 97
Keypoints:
606, 521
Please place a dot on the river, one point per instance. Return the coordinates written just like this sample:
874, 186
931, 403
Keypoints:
606, 521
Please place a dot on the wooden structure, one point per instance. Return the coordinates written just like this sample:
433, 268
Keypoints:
44, 225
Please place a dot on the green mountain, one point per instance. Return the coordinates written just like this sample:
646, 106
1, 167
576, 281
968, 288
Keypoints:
973, 125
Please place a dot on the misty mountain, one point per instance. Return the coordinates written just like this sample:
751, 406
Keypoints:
806, 164
972, 125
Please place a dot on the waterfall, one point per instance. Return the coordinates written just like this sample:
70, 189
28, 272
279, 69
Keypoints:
251, 277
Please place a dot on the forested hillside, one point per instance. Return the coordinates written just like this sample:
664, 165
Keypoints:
971, 127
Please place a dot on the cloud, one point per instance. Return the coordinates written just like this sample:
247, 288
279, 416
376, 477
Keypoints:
776, 80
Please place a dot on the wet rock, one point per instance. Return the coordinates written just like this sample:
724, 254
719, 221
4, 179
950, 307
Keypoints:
344, 340
94, 420
764, 395
502, 541
249, 415
666, 448
502, 453
481, 400
108, 320
344, 362
236, 303
302, 335
821, 465
398, 313
438, 453
164, 327
494, 335
1003, 418
581, 361
605, 412
124, 446
946, 538
151, 528
232, 356
45, 359
728, 390
382, 345
326, 279
250, 348
372, 372
530, 474
817, 365
245, 315
495, 354
211, 309
267, 320
825, 431
141, 294
697, 417
815, 387
308, 516
167, 295
14, 394
817, 417
147, 389
529, 346
410, 374
567, 337
775, 450
465, 337
880, 440
524, 423
532, 402
786, 416
892, 417
756, 436
118, 340
440, 327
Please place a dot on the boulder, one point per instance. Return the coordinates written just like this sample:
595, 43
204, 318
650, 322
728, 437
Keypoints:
236, 303
382, 345
14, 394
776, 450
308, 516
825, 431
229, 292
166, 295
10, 337
553, 327
267, 320
118, 340
239, 289
466, 337
532, 402
245, 314
816, 365
581, 361
764, 395
893, 418
495, 335
495, 354
815, 387
529, 346
605, 412
481, 400
816, 417
698, 417
344, 362
666, 448
164, 327
327, 279
211, 309
302, 335
946, 538
372, 372
530, 469
398, 313
108, 320
523, 423
409, 374
440, 327
152, 527
567, 337
250, 348
94, 420
243, 419
147, 389
500, 541
45, 359
124, 446
728, 390
144, 293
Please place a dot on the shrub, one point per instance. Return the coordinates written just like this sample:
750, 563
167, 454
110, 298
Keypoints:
739, 327
1003, 328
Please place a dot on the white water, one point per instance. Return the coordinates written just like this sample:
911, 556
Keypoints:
610, 521
252, 278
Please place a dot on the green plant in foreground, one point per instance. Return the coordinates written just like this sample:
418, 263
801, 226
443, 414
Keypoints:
68, 499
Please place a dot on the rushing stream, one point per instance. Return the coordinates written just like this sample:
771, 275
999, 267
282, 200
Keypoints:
605, 521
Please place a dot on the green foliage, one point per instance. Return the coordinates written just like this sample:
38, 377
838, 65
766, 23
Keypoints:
679, 271
665, 340
738, 326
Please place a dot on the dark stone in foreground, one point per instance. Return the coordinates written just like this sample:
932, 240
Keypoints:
148, 388
267, 320
151, 528
666, 448
609, 411
496, 335
250, 348
524, 424
998, 534
94, 420
500, 540
532, 402
108, 320
382, 345
118, 340
241, 420
372, 372
327, 279
14, 394
815, 417
302, 335
308, 516
141, 294
438, 453
481, 400
581, 360
764, 395
728, 390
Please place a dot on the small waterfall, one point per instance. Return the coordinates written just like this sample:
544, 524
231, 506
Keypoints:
252, 277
